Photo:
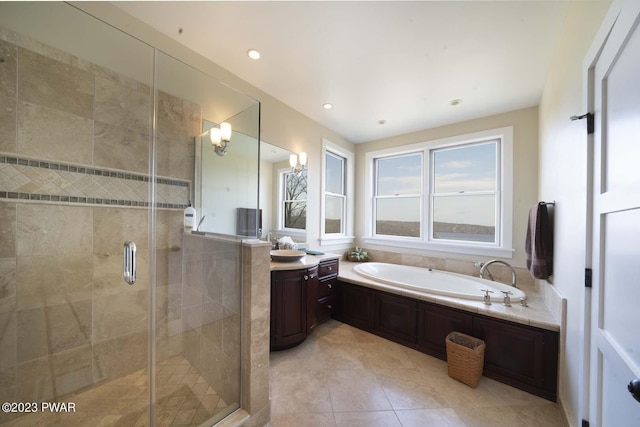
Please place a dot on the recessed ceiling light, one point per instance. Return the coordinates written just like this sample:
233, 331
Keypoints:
327, 106
253, 54
456, 101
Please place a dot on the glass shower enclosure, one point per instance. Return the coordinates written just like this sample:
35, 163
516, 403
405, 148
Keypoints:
98, 136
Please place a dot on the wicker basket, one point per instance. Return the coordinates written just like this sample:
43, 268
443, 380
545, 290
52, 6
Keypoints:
465, 358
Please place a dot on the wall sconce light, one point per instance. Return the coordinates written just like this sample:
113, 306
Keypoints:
220, 138
298, 162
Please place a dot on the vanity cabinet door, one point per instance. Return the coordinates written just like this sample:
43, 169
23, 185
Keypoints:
288, 308
435, 323
395, 317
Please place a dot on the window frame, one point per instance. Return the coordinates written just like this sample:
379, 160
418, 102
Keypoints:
342, 196
502, 247
420, 196
346, 235
496, 192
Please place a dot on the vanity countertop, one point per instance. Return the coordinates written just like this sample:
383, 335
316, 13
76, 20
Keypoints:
536, 314
306, 261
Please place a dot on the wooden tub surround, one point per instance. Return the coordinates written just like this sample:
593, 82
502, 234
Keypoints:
522, 343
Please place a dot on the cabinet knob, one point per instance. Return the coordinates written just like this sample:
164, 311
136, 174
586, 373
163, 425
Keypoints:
329, 285
329, 306
330, 268
306, 277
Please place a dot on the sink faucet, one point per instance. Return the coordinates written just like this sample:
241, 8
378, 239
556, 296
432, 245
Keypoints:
484, 269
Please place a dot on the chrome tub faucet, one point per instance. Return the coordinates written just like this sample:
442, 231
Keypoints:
484, 269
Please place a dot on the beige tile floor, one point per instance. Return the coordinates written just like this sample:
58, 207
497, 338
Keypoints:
342, 376
183, 399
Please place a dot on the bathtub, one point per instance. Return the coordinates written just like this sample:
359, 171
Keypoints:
435, 281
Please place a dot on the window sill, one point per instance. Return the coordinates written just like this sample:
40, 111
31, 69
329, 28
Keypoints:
291, 233
442, 247
336, 240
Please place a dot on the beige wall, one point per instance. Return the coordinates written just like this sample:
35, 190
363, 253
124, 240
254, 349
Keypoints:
563, 178
525, 169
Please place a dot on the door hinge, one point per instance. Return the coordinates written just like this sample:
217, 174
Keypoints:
590, 121
585, 423
588, 273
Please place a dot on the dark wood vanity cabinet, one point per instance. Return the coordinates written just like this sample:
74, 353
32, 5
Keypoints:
300, 300
326, 301
522, 356
290, 320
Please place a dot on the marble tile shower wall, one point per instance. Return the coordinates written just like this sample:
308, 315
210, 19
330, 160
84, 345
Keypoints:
74, 149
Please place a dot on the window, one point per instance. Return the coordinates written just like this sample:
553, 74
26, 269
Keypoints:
337, 195
398, 196
465, 192
451, 195
294, 200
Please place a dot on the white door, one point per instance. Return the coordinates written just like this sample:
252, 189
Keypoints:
615, 315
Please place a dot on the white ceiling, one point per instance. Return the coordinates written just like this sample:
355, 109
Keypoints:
402, 62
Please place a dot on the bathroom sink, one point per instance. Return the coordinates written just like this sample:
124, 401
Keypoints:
286, 255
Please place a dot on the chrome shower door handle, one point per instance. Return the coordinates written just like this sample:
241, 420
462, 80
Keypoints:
129, 270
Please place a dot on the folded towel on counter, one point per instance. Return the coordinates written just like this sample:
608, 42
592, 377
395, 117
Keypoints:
310, 252
539, 242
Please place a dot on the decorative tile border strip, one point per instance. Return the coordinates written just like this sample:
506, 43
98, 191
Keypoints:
36, 180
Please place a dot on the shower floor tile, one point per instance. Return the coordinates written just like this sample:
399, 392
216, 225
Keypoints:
183, 398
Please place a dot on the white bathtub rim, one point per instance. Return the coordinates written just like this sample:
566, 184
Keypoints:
496, 287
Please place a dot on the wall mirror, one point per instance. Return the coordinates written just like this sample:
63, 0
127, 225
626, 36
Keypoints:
283, 194
226, 185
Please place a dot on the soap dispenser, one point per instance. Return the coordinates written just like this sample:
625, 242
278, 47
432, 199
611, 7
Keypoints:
190, 218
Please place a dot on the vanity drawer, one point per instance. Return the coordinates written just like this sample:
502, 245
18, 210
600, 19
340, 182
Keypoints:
326, 288
328, 269
326, 308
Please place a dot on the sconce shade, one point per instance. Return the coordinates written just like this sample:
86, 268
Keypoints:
225, 131
298, 162
215, 135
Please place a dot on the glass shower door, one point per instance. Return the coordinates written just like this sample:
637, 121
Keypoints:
75, 184
98, 139
198, 306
